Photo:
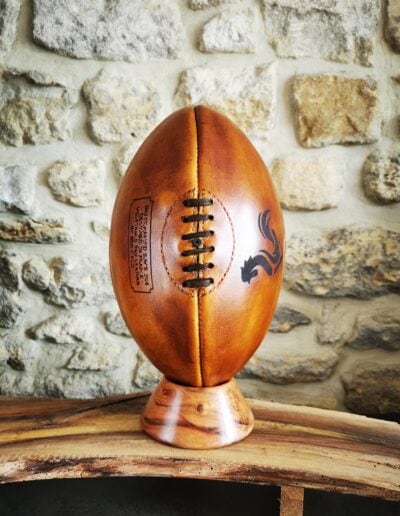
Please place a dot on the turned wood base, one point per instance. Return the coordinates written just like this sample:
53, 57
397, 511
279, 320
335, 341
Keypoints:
197, 417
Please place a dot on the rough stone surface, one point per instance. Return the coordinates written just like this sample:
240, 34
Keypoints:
373, 389
116, 324
146, 375
77, 182
377, 331
17, 188
9, 271
11, 309
33, 108
287, 367
350, 261
119, 107
21, 352
231, 31
98, 356
381, 176
330, 109
102, 229
9, 10
246, 96
78, 282
38, 231
336, 30
392, 24
36, 273
286, 318
130, 30
330, 329
308, 184
202, 4
70, 327
124, 156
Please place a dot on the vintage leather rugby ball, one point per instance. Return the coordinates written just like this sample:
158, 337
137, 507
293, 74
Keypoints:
196, 248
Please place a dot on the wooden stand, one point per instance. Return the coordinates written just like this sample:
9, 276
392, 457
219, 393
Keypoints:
197, 418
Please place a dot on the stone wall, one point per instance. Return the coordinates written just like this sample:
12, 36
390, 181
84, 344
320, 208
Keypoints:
316, 86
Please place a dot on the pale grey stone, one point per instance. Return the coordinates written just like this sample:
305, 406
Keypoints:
350, 261
81, 183
246, 96
330, 329
78, 282
381, 176
380, 330
9, 10
373, 389
11, 309
336, 30
69, 327
102, 229
129, 30
119, 106
146, 376
115, 324
330, 109
285, 368
99, 356
22, 353
36, 273
287, 318
231, 31
202, 4
17, 188
308, 184
124, 156
392, 24
9, 271
37, 231
33, 108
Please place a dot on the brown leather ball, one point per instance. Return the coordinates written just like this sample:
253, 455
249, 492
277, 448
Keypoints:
196, 248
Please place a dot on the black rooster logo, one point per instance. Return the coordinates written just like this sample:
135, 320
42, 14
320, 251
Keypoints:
270, 262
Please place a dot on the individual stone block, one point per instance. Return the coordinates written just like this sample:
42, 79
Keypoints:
36, 273
78, 282
99, 356
33, 109
115, 324
331, 330
377, 331
373, 389
69, 327
17, 188
202, 4
119, 107
9, 10
330, 109
22, 353
11, 309
77, 182
350, 261
130, 30
145, 376
230, 31
308, 184
9, 271
37, 231
286, 318
245, 96
124, 156
336, 30
285, 368
381, 176
392, 24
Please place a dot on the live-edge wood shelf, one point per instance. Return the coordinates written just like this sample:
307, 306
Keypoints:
290, 446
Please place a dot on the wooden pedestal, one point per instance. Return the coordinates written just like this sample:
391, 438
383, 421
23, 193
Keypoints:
197, 417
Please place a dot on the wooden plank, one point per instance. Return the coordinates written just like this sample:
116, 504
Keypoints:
290, 445
292, 499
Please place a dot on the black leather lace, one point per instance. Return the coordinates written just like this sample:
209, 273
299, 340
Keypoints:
198, 247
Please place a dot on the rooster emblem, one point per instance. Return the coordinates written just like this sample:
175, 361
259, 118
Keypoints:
269, 261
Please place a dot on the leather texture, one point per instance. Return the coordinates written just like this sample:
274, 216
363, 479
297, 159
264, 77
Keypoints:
198, 336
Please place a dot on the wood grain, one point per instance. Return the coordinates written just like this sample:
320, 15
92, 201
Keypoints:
198, 418
290, 445
292, 499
